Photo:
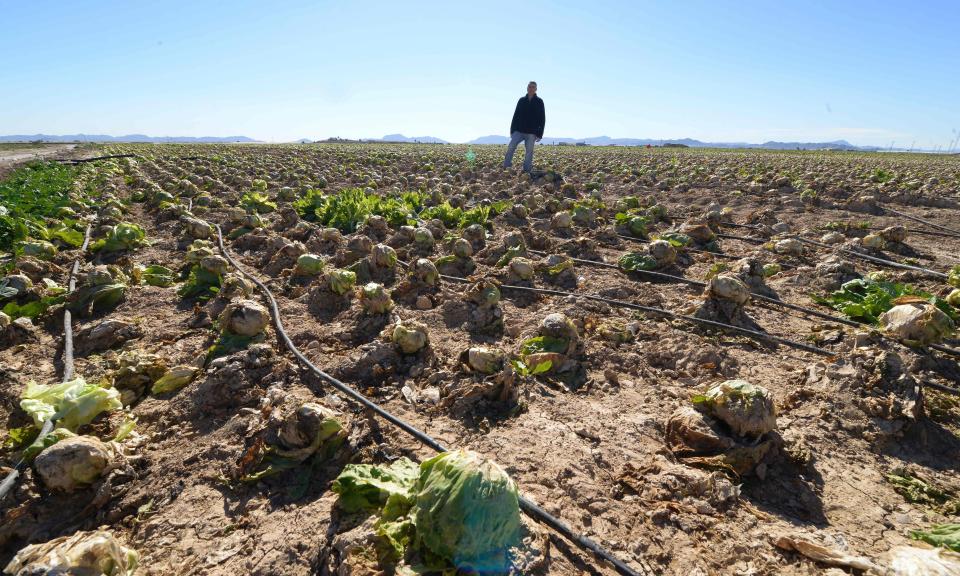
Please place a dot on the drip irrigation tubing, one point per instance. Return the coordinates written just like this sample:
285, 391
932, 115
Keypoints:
699, 284
108, 157
759, 297
68, 367
869, 228
748, 239
698, 251
941, 387
654, 310
528, 506
685, 248
956, 233
855, 254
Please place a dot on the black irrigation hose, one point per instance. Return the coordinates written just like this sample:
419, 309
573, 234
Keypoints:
912, 231
856, 254
651, 309
654, 310
528, 506
68, 368
687, 249
883, 261
869, 228
108, 157
699, 284
941, 387
759, 297
735, 225
946, 349
748, 239
956, 233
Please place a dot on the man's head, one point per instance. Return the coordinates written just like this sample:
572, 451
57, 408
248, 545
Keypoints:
531, 88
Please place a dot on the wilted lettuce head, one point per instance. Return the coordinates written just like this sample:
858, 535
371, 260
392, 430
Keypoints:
331, 235
196, 228
384, 256
663, 251
73, 463
953, 298
375, 299
475, 233
657, 212
309, 425
513, 239
198, 250
410, 336
561, 220
485, 360
559, 326
15, 285
360, 244
917, 323
123, 236
484, 293
698, 232
462, 248
522, 268
423, 237
554, 264
39, 249
214, 264
234, 285
746, 408
467, 511
253, 220
727, 286
174, 379
341, 281
244, 318
426, 272
98, 553
309, 265
873, 241
638, 226
73, 403
98, 276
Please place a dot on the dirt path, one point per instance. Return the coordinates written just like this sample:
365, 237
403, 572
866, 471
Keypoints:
12, 155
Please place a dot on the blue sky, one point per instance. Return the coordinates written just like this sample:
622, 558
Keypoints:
869, 72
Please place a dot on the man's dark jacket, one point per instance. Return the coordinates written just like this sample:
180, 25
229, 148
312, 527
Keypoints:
529, 116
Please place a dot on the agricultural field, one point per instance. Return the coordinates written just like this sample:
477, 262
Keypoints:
703, 361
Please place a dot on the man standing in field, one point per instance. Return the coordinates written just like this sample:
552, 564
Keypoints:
526, 127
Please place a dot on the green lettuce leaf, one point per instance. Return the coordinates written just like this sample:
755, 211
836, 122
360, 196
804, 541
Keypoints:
633, 261
123, 236
72, 404
942, 535
368, 487
539, 344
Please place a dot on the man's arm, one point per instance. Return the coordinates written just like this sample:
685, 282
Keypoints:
541, 120
514, 124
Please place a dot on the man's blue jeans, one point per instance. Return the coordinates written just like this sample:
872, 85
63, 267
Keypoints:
515, 139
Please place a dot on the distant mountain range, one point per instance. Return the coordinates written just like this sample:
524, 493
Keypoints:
420, 139
127, 138
493, 139
607, 141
